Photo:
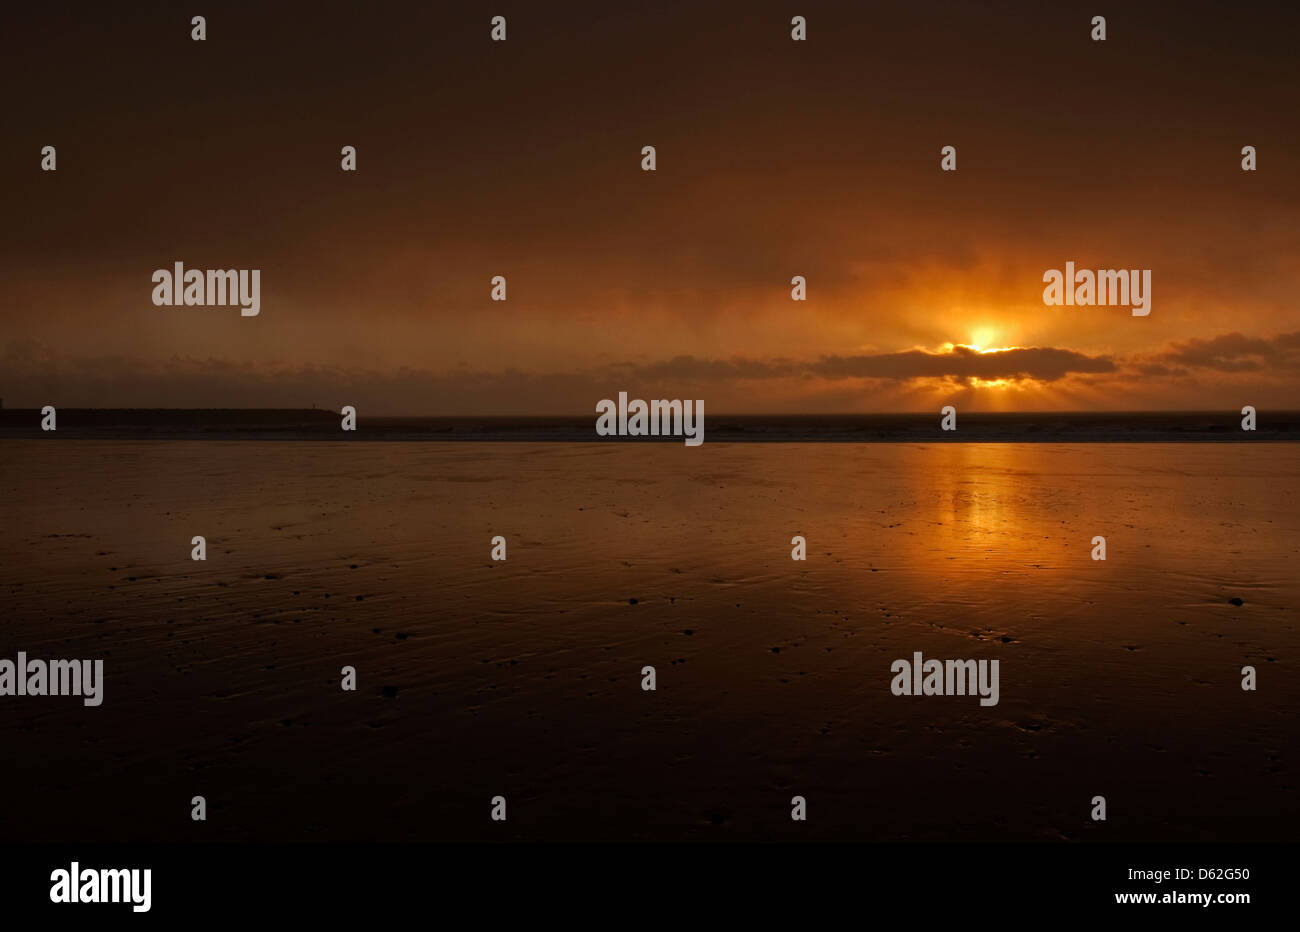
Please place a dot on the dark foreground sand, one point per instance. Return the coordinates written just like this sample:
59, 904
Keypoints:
523, 679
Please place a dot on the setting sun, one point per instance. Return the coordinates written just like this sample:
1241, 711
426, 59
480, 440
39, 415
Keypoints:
981, 337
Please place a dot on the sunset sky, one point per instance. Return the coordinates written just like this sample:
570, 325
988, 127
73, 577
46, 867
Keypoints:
775, 159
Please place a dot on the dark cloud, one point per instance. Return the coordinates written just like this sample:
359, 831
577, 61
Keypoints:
1234, 352
1045, 364
36, 375
690, 368
33, 373
1157, 369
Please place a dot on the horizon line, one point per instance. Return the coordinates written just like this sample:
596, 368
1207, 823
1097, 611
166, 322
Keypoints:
913, 413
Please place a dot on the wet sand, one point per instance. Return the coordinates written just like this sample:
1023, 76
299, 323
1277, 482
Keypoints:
523, 678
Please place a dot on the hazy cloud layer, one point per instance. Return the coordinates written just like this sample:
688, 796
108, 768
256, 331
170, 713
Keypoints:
32, 374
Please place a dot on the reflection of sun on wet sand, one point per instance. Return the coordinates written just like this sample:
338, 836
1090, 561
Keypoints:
523, 677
